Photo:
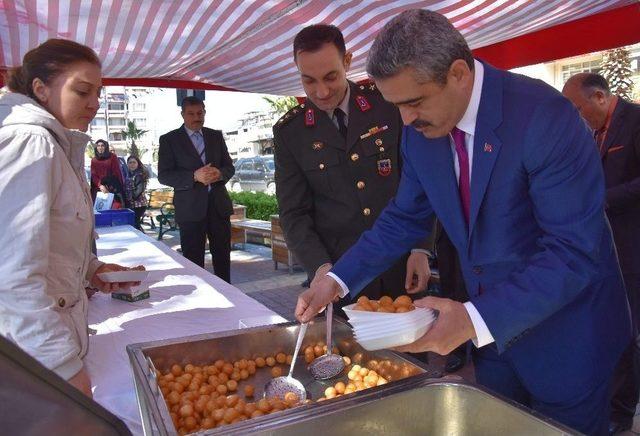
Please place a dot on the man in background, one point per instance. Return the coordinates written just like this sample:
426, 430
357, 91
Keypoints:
616, 126
194, 161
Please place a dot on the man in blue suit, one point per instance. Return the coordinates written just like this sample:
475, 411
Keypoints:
510, 169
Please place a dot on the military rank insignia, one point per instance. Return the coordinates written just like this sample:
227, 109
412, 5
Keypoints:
384, 167
362, 103
318, 145
309, 118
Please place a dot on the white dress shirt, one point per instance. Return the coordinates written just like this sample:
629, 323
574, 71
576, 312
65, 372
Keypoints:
468, 125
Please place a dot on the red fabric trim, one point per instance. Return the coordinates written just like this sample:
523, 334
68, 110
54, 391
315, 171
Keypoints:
603, 31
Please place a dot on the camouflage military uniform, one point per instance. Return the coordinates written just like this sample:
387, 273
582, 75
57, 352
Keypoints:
330, 190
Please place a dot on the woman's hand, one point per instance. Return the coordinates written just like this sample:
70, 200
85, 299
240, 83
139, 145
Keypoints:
108, 287
81, 382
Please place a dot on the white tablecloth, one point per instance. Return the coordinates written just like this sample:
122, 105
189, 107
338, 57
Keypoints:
185, 300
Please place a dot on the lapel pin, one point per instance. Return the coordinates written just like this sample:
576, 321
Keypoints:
318, 145
488, 148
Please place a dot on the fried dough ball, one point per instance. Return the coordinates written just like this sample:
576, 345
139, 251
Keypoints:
330, 392
264, 406
260, 362
244, 374
249, 390
270, 361
340, 387
232, 385
385, 301
289, 359
281, 358
309, 357
403, 300
257, 413
318, 351
276, 371
222, 389
347, 360
291, 399
176, 370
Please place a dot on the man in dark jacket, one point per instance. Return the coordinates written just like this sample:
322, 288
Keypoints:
194, 161
337, 164
616, 126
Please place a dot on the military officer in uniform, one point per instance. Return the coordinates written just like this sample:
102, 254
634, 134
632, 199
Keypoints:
338, 164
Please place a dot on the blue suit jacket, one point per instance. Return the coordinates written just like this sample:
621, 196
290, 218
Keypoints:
537, 257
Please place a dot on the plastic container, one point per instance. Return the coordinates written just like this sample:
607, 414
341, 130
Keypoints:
115, 217
364, 316
392, 339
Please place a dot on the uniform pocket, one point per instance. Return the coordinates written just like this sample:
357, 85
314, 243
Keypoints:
318, 169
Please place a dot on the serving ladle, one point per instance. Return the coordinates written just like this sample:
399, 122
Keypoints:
328, 365
280, 386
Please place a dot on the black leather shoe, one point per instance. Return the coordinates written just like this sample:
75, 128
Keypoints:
454, 363
618, 427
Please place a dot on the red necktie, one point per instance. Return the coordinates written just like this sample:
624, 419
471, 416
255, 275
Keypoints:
463, 181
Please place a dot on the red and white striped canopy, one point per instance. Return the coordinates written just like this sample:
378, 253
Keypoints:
246, 45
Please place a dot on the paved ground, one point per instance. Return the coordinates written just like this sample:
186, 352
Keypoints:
252, 271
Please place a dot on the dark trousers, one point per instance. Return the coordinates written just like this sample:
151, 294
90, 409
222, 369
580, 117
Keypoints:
139, 211
587, 411
217, 229
626, 378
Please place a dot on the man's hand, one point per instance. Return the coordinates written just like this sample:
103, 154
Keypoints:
321, 272
452, 328
418, 272
313, 300
108, 287
207, 174
103, 189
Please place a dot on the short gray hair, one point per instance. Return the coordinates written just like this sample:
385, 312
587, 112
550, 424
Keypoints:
423, 40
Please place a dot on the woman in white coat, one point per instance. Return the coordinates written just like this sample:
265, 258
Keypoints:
45, 206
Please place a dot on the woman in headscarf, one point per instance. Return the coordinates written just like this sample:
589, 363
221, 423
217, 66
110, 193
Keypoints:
106, 175
135, 186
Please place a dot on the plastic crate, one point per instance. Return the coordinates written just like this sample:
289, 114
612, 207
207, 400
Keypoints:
115, 217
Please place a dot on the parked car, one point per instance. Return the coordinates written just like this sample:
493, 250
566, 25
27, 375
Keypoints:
254, 174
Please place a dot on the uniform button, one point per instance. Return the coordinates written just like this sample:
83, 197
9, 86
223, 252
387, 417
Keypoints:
366, 211
321, 166
61, 302
360, 184
355, 157
381, 149
378, 142
477, 270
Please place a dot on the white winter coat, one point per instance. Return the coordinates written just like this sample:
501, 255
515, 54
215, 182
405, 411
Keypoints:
46, 229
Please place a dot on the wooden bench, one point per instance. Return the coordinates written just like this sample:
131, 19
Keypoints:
271, 230
280, 253
162, 210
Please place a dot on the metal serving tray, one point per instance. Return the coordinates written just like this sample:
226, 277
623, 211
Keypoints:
419, 406
244, 343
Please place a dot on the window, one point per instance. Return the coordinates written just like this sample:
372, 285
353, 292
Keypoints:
116, 106
246, 166
116, 121
580, 67
139, 107
270, 164
98, 122
140, 122
116, 136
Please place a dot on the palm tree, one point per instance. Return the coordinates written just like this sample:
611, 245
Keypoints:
132, 134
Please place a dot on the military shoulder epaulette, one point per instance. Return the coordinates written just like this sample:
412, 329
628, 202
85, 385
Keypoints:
368, 87
291, 114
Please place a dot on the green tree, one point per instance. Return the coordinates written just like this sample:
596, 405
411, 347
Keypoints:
131, 135
281, 105
616, 68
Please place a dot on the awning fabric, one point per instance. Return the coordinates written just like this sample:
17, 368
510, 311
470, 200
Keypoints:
246, 45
